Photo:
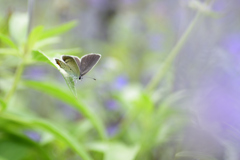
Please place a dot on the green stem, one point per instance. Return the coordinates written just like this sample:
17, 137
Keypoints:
17, 78
172, 55
20, 68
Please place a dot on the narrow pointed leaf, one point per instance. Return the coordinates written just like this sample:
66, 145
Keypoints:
3, 105
58, 30
72, 51
47, 41
34, 36
40, 56
6, 40
65, 96
58, 132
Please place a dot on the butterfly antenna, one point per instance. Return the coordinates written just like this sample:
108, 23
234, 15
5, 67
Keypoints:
92, 78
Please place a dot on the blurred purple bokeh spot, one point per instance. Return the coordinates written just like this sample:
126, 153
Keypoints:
222, 104
219, 5
33, 135
69, 112
120, 82
111, 104
232, 44
112, 130
35, 73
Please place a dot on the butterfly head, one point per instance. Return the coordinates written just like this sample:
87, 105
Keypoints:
80, 78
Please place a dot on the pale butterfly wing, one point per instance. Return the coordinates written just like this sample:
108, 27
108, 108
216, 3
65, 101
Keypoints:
88, 62
78, 61
72, 63
64, 66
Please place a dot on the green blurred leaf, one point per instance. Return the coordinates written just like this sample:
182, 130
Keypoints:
41, 57
118, 151
59, 133
47, 41
72, 51
16, 137
56, 91
9, 51
65, 96
144, 103
18, 25
115, 150
70, 82
34, 36
3, 105
58, 30
13, 150
1, 158
7, 41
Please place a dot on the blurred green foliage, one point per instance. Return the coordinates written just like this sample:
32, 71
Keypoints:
35, 125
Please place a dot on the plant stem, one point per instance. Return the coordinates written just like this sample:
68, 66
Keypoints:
21, 66
17, 78
172, 55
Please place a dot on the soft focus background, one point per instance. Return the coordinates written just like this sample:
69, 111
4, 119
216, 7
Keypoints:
168, 82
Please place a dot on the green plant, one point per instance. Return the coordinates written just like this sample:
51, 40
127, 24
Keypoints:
145, 122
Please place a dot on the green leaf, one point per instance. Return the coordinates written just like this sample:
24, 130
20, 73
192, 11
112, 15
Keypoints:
118, 151
1, 158
3, 105
115, 150
40, 56
58, 132
9, 51
7, 41
72, 51
22, 140
47, 41
18, 25
70, 82
34, 36
13, 150
58, 30
65, 96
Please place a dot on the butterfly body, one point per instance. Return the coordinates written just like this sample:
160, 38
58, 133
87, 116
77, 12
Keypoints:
77, 67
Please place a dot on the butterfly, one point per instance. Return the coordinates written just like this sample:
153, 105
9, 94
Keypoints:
77, 67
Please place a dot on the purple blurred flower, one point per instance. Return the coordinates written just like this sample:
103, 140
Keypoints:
112, 130
219, 5
221, 112
120, 82
70, 113
232, 44
35, 73
111, 104
33, 135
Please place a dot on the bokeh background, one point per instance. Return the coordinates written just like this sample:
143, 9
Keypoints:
167, 84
